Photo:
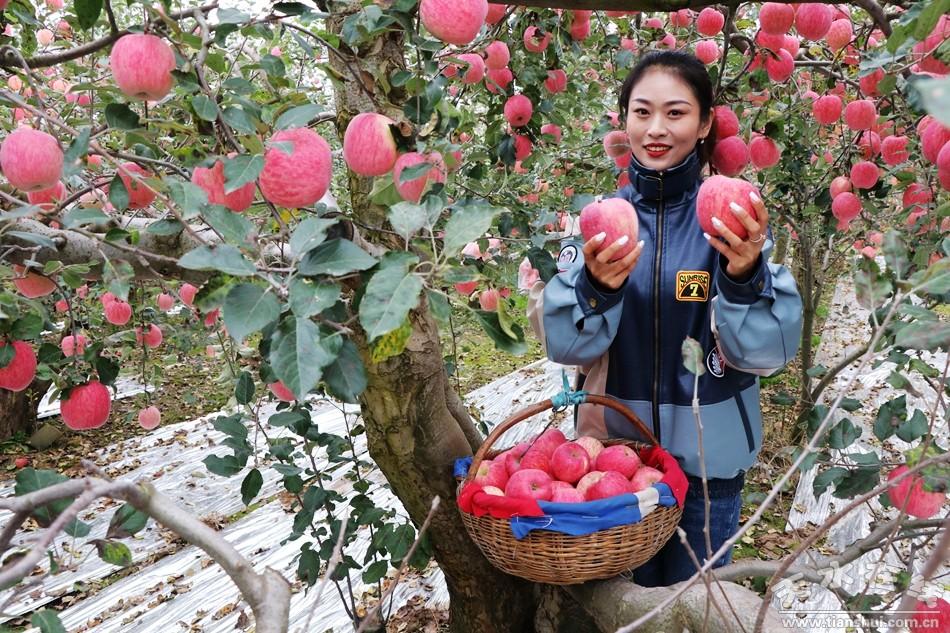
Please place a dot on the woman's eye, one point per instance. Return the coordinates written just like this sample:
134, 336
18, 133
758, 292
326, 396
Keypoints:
675, 112
641, 111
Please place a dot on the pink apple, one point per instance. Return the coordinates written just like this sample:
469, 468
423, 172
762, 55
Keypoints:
570, 462
610, 485
513, 457
620, 458
614, 216
588, 480
910, 490
529, 483
548, 442
592, 445
645, 477
535, 459
567, 495
491, 473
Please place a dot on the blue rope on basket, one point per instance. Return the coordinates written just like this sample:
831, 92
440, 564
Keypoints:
567, 397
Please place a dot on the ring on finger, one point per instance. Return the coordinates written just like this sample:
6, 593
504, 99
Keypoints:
756, 240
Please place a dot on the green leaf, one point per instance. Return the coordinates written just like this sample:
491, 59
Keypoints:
30, 480
240, 170
935, 94
895, 253
890, 415
346, 376
298, 117
491, 325
914, 428
308, 298
118, 194
82, 216
693, 356
467, 224
205, 108
232, 16
924, 335
230, 425
244, 389
113, 552
233, 227
126, 521
251, 486
843, 434
309, 234
189, 197
543, 262
121, 117
239, 119
223, 257
247, 309
28, 326
39, 240
273, 66
826, 478
406, 218
77, 149
336, 257
871, 288
439, 305
391, 343
298, 356
87, 13
226, 466
375, 572
47, 620
390, 294
857, 481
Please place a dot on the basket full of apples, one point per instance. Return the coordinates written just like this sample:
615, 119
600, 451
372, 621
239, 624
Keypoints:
564, 512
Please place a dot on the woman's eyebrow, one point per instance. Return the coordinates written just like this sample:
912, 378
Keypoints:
671, 102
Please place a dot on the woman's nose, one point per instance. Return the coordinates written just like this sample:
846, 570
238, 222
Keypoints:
657, 127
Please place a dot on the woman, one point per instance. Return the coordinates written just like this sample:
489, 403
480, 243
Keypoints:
623, 321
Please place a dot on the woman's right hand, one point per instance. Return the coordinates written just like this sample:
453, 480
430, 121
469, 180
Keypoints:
606, 272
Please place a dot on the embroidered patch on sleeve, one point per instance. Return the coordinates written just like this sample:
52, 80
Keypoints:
567, 256
692, 285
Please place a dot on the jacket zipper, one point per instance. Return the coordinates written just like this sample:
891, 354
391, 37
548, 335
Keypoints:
656, 317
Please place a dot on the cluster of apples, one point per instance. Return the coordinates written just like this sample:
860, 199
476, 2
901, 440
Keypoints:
551, 468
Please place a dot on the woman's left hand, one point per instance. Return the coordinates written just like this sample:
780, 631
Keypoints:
742, 254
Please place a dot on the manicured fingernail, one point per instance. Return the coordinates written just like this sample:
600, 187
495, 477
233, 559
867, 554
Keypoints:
600, 237
707, 236
623, 240
735, 208
754, 197
717, 223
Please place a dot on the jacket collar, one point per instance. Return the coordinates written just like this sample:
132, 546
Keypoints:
671, 183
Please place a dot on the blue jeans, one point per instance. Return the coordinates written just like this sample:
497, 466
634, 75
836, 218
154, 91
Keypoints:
672, 563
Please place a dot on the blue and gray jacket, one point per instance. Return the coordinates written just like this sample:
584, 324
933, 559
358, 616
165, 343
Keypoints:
628, 343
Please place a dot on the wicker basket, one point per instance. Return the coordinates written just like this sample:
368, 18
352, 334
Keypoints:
561, 559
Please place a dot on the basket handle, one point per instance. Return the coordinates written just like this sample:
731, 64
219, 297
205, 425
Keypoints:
535, 409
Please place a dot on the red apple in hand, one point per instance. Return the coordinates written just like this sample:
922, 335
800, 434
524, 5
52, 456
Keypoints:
620, 458
920, 503
713, 200
529, 483
570, 462
931, 619
610, 485
614, 216
645, 477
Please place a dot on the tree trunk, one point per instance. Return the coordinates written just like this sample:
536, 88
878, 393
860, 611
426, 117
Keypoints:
415, 424
18, 409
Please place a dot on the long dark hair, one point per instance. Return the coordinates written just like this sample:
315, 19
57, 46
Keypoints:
692, 71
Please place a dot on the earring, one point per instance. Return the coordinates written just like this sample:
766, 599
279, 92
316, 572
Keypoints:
700, 142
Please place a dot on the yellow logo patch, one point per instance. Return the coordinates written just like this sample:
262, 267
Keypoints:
692, 285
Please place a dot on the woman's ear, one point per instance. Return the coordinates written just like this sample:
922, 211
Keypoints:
706, 124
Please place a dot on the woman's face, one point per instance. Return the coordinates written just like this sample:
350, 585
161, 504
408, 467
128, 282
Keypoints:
663, 119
